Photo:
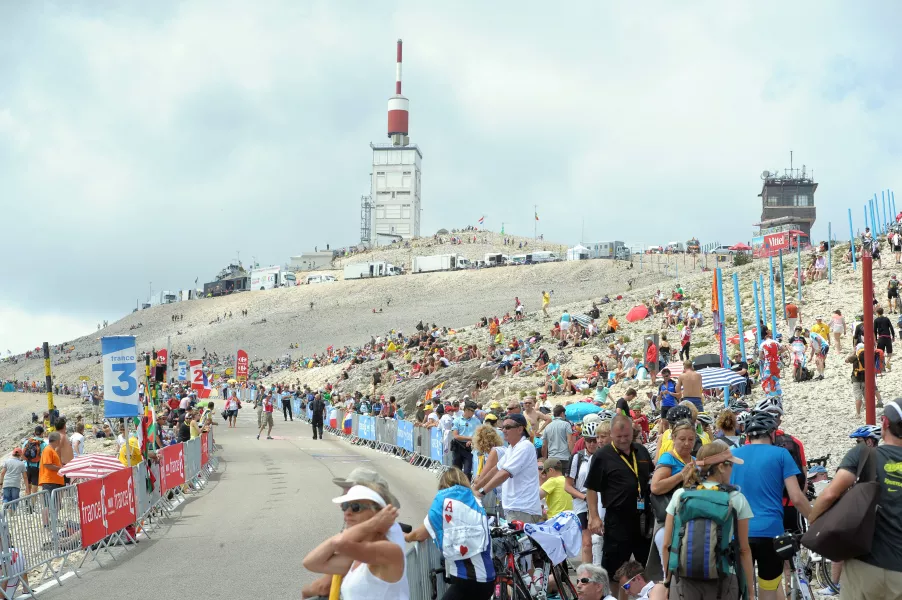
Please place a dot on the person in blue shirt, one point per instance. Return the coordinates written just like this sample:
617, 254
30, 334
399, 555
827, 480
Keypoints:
468, 550
666, 399
462, 431
766, 470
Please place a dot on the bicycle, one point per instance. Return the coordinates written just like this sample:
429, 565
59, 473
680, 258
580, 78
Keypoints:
510, 549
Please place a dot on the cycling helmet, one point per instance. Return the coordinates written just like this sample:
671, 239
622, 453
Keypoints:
591, 418
867, 431
771, 404
589, 429
779, 337
605, 414
760, 423
705, 419
736, 405
743, 418
679, 413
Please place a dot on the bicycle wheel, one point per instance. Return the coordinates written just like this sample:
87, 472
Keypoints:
824, 575
565, 588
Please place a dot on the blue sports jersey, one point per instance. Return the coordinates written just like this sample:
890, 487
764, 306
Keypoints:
458, 524
760, 479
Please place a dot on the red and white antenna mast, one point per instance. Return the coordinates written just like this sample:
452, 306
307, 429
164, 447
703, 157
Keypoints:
398, 111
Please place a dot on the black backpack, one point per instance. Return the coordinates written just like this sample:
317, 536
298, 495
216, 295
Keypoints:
786, 441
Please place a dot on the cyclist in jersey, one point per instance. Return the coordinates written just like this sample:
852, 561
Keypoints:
885, 334
892, 292
818, 351
769, 355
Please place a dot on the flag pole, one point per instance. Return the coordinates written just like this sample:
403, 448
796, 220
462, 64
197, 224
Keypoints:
535, 223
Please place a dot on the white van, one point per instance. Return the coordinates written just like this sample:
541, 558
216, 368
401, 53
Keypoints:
318, 278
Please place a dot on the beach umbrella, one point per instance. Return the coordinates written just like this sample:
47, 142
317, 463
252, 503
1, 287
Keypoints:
740, 247
706, 361
637, 313
583, 320
91, 466
676, 369
718, 377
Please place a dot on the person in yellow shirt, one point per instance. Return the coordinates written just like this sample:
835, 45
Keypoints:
554, 489
821, 328
675, 415
130, 452
546, 300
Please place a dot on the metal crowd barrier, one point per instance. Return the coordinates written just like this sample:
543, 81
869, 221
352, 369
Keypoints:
425, 572
419, 446
41, 534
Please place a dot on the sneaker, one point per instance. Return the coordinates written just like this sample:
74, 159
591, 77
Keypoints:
269, 437
258, 436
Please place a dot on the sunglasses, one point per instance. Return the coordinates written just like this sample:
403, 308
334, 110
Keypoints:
583, 580
355, 507
626, 586
506, 427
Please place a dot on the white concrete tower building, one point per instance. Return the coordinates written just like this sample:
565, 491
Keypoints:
395, 188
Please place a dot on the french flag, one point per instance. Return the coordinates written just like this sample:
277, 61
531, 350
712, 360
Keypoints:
481, 220
348, 424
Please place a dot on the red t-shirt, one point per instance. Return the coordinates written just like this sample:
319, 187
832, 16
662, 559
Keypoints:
651, 355
792, 311
267, 404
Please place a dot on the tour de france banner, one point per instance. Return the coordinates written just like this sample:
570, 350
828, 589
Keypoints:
120, 376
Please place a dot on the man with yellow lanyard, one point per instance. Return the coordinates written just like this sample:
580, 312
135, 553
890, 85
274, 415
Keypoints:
620, 473
684, 411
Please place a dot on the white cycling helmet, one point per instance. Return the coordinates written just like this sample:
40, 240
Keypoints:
705, 419
589, 429
772, 405
605, 415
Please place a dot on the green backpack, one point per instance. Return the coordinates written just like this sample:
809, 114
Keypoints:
703, 546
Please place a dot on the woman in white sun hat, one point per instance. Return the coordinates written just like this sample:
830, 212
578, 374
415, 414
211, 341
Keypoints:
374, 565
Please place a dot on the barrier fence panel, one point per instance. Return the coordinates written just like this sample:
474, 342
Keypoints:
423, 558
172, 466
390, 433
28, 524
192, 458
436, 449
405, 435
142, 494
65, 520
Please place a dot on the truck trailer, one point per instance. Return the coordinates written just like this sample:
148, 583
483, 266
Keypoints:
366, 270
438, 262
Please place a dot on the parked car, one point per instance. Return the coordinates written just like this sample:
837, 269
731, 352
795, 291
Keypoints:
723, 250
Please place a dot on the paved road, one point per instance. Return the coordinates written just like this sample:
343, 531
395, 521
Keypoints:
268, 505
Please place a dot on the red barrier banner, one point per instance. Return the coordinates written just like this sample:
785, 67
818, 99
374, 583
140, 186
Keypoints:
90, 510
119, 500
204, 449
172, 466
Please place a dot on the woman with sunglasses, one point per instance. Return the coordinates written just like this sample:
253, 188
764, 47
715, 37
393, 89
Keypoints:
667, 478
468, 551
712, 468
372, 565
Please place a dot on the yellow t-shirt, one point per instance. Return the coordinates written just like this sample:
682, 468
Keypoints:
546, 299
822, 329
666, 443
135, 450
557, 498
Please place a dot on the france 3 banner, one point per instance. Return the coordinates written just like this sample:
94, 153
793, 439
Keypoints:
172, 466
436, 450
405, 435
90, 511
119, 498
120, 377
242, 366
183, 370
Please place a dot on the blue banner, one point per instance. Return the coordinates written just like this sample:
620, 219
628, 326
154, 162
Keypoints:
183, 370
405, 435
436, 451
366, 428
120, 376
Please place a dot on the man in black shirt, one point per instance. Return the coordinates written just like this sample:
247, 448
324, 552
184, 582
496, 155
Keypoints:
858, 334
885, 334
319, 414
620, 472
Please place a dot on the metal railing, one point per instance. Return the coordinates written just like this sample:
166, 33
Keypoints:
41, 534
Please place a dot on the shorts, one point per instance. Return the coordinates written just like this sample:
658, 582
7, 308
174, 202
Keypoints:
697, 402
565, 325
233, 412
267, 419
664, 411
770, 566
583, 520
523, 517
10, 494
892, 294
858, 390
885, 344
791, 519
49, 487
33, 474
823, 351
861, 580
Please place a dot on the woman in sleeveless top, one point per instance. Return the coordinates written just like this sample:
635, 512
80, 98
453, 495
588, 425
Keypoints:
373, 566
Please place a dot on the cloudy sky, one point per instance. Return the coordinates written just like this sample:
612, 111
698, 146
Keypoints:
147, 144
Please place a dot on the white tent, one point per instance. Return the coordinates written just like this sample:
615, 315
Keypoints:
577, 252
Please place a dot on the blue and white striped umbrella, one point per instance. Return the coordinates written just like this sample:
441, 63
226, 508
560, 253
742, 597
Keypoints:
718, 377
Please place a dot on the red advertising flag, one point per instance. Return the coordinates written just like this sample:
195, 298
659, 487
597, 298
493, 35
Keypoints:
119, 500
172, 466
90, 510
204, 449
162, 355
241, 366
196, 374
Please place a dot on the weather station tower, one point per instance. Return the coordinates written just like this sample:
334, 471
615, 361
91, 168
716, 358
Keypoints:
392, 210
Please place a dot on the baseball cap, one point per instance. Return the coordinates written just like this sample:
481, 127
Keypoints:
365, 475
894, 415
491, 417
517, 418
360, 492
